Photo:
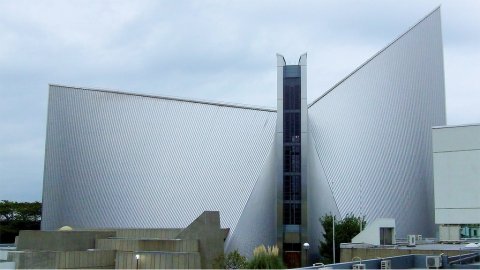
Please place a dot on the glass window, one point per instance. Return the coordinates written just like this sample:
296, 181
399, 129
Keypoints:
291, 94
291, 127
291, 188
291, 158
291, 213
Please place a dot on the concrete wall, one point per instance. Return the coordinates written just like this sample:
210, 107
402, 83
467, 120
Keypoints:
159, 260
139, 233
371, 234
7, 265
60, 240
456, 159
148, 233
4, 252
148, 245
206, 228
63, 259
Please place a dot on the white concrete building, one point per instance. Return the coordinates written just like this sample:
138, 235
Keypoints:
456, 158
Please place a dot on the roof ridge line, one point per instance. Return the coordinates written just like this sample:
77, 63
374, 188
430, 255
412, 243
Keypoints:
374, 56
457, 125
199, 101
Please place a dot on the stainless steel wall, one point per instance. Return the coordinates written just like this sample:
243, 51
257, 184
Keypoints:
371, 131
123, 160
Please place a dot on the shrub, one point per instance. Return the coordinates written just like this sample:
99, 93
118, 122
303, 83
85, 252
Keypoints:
265, 258
233, 260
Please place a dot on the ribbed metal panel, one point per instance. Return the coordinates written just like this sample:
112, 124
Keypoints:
257, 224
372, 130
122, 160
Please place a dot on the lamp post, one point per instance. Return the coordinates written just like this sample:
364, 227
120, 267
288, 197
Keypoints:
306, 246
137, 257
333, 238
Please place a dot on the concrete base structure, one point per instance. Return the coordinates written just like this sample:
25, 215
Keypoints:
413, 261
191, 248
349, 251
380, 232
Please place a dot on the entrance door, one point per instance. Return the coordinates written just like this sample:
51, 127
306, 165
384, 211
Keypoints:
292, 259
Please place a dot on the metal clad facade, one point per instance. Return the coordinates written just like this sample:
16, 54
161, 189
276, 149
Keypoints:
257, 224
131, 161
372, 130
119, 160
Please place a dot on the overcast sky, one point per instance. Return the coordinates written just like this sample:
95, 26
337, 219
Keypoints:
210, 50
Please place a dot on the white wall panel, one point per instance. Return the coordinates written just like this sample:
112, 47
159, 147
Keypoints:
456, 160
456, 138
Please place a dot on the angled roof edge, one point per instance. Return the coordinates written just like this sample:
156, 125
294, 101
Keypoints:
371, 58
206, 102
456, 126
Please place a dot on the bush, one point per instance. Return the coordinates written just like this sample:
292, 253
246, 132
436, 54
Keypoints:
265, 258
233, 260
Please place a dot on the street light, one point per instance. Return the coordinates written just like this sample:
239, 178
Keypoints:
333, 238
137, 257
306, 246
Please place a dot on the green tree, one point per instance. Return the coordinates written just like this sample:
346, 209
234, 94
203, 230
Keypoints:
16, 216
345, 230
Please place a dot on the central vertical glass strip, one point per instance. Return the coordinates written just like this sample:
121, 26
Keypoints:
292, 169
291, 151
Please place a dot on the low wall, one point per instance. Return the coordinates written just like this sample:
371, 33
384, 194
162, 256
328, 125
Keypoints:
413, 261
158, 260
60, 240
347, 254
7, 265
148, 233
148, 245
63, 259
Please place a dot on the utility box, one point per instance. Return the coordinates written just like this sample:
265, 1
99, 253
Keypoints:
386, 264
359, 266
412, 240
433, 262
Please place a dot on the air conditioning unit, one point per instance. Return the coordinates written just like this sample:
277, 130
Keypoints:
386, 264
412, 240
433, 262
359, 266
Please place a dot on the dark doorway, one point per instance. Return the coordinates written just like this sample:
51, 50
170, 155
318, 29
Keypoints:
292, 259
386, 236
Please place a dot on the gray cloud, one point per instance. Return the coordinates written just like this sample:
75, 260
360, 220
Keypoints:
213, 50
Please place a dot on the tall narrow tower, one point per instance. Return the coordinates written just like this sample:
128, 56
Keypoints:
291, 148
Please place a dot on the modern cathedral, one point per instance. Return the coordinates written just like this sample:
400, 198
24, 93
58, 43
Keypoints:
123, 160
